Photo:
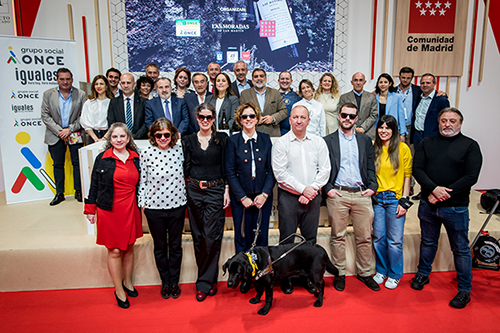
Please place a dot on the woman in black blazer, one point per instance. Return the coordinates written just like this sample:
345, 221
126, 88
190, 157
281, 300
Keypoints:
224, 100
250, 178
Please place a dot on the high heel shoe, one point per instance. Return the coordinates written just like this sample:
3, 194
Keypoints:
122, 304
130, 293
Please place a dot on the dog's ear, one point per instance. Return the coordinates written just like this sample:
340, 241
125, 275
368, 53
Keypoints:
224, 267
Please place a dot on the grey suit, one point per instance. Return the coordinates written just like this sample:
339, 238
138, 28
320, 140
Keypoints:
367, 111
274, 106
229, 104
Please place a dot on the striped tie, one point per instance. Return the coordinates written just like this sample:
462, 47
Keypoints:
167, 111
128, 114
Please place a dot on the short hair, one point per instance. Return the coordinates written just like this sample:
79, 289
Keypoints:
389, 78
112, 69
63, 70
152, 64
432, 75
240, 62
308, 82
350, 106
213, 63
279, 76
451, 109
93, 93
145, 79
243, 107
407, 69
259, 70
204, 75
164, 78
161, 124
130, 145
178, 71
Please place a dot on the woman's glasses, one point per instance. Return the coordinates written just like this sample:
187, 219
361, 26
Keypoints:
203, 117
160, 135
251, 116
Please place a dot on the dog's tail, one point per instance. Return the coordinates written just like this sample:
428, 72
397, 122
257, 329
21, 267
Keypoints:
331, 268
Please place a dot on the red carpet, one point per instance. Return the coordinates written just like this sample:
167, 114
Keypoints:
357, 309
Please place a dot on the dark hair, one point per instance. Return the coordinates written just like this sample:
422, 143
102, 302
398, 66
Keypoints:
204, 75
93, 95
112, 69
393, 150
243, 107
279, 76
213, 63
211, 108
350, 106
144, 79
63, 70
334, 90
389, 78
229, 90
178, 71
432, 75
259, 70
130, 145
240, 62
309, 83
407, 70
451, 109
159, 125
152, 64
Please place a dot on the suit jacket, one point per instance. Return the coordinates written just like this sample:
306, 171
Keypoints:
238, 163
234, 86
366, 160
116, 113
416, 91
51, 115
191, 100
230, 104
431, 126
154, 110
367, 111
274, 106
394, 107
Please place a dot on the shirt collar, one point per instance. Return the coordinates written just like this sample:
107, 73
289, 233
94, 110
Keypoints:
357, 93
246, 137
109, 153
293, 137
131, 97
343, 136
70, 91
431, 95
262, 93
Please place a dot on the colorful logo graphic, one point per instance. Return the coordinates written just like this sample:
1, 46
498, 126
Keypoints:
13, 95
12, 57
267, 28
16, 123
27, 173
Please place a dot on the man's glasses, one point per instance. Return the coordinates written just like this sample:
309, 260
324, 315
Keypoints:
350, 115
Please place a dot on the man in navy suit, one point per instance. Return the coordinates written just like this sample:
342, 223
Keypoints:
128, 108
193, 99
168, 106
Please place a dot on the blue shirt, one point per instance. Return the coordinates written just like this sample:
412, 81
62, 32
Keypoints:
262, 100
349, 174
242, 87
289, 98
407, 98
65, 107
421, 111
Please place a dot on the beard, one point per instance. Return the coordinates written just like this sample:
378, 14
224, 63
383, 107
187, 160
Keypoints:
259, 85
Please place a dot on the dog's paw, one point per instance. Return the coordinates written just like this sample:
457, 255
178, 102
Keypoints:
254, 300
318, 303
263, 311
316, 294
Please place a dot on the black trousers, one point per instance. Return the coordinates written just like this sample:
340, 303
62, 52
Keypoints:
166, 226
99, 133
58, 154
293, 214
206, 218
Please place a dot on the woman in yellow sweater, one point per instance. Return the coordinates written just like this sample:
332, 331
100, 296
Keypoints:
393, 169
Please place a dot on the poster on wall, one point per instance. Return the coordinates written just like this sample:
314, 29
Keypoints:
430, 36
28, 70
6, 18
272, 34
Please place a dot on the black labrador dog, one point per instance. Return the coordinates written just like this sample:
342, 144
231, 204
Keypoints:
306, 260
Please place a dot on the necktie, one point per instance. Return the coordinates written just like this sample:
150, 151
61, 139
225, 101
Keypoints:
167, 112
128, 114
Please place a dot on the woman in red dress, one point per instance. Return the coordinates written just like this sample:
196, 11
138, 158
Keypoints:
112, 197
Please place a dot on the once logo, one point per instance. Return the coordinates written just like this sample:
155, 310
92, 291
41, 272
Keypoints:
12, 56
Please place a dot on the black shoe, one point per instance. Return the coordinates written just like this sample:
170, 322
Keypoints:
57, 199
461, 300
245, 286
369, 282
339, 282
165, 291
175, 290
122, 304
78, 197
286, 286
310, 287
130, 293
419, 281
416, 197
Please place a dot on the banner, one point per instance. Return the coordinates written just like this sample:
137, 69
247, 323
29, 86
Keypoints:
28, 69
430, 36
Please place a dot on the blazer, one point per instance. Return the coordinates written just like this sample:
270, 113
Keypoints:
116, 113
154, 110
230, 104
394, 107
234, 86
366, 160
274, 106
367, 111
431, 126
416, 91
51, 116
191, 100
238, 164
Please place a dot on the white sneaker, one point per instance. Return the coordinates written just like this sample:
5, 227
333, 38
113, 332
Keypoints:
391, 283
379, 278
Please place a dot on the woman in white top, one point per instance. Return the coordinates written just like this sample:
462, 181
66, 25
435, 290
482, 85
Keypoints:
328, 94
317, 124
224, 100
95, 110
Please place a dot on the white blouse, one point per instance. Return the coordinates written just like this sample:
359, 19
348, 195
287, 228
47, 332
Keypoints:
95, 114
162, 183
317, 124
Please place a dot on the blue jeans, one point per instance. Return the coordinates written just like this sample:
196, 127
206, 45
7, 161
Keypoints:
388, 233
456, 223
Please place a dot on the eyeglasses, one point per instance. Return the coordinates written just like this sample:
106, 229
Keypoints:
251, 116
160, 135
350, 115
203, 117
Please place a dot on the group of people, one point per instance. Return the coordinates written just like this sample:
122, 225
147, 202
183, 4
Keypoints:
351, 151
